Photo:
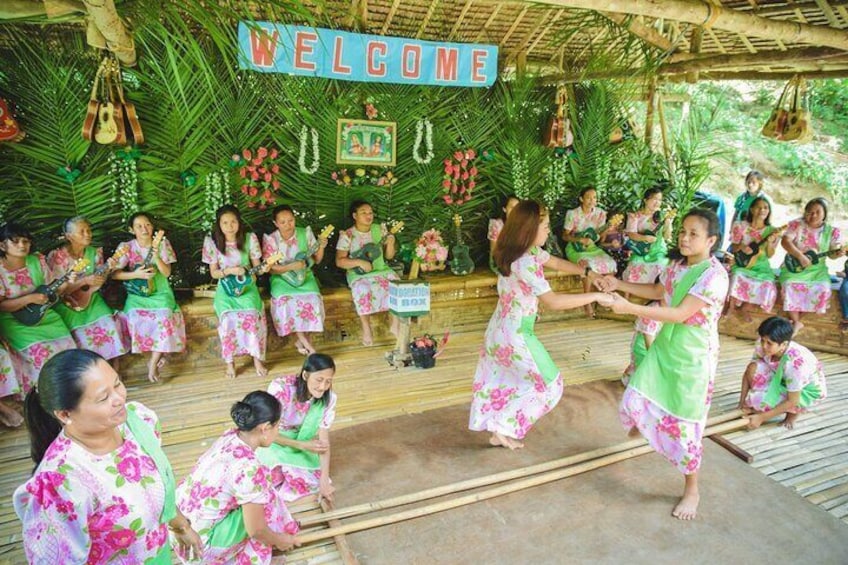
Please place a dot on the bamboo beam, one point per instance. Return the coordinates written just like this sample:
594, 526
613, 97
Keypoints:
460, 19
828, 12
772, 76
647, 34
544, 31
427, 18
390, 17
762, 58
695, 49
707, 15
488, 23
514, 25
522, 46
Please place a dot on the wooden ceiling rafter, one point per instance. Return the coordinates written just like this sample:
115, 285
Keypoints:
388, 21
460, 19
523, 44
645, 33
514, 26
426, 21
545, 31
828, 13
482, 33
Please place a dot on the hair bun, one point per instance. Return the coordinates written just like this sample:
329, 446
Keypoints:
242, 414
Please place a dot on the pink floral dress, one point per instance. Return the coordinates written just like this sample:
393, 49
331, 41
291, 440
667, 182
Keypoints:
576, 220
302, 312
677, 439
152, 326
801, 370
642, 271
30, 352
495, 227
96, 509
804, 296
227, 476
97, 327
242, 332
370, 292
9, 384
297, 482
743, 285
515, 384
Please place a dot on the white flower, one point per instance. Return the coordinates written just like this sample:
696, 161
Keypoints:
301, 159
421, 127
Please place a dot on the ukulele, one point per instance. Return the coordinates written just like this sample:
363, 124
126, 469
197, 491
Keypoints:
106, 130
748, 260
372, 251
558, 134
145, 287
235, 285
595, 235
461, 263
31, 314
93, 106
642, 248
80, 298
792, 264
9, 129
130, 118
297, 277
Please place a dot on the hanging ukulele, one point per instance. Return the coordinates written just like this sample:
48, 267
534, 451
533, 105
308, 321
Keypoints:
9, 129
93, 106
131, 123
106, 128
558, 134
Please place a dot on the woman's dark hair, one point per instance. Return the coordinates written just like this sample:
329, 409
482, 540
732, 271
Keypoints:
218, 236
281, 208
749, 215
14, 230
258, 407
656, 189
713, 229
139, 214
584, 191
314, 362
821, 202
502, 209
777, 329
754, 175
518, 234
60, 387
357, 204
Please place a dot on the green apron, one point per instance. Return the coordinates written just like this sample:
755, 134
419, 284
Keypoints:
761, 270
279, 287
146, 439
546, 366
814, 273
575, 256
777, 389
675, 372
639, 349
291, 456
96, 309
379, 265
162, 297
249, 300
50, 328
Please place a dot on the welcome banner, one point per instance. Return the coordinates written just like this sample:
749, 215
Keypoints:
299, 50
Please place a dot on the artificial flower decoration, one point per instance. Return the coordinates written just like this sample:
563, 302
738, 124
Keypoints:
361, 177
460, 177
259, 176
371, 112
430, 251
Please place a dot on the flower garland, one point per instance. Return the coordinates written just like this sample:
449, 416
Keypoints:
423, 132
215, 194
555, 178
124, 181
430, 251
259, 176
360, 177
520, 174
460, 177
301, 159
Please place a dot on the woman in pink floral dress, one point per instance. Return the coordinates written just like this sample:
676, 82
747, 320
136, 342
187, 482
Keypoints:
669, 394
516, 381
230, 252
495, 227
154, 322
9, 389
21, 272
783, 377
295, 308
95, 326
647, 233
582, 247
229, 496
368, 280
754, 283
103, 491
809, 290
300, 457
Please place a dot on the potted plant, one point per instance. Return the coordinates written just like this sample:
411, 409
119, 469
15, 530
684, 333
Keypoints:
423, 350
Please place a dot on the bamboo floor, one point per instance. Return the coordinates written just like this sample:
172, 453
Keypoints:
194, 406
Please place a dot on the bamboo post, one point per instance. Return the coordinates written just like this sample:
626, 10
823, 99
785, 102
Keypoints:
649, 115
664, 132
495, 478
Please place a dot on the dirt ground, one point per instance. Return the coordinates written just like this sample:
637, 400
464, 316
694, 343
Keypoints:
616, 514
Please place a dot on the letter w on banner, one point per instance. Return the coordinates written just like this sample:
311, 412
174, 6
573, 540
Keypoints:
299, 50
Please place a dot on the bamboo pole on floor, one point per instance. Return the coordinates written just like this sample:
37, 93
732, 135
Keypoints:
559, 469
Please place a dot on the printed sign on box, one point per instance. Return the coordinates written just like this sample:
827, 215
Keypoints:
408, 299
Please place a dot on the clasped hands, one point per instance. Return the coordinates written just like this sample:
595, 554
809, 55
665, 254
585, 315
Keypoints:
608, 284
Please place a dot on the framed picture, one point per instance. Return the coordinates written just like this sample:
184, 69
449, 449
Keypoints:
366, 142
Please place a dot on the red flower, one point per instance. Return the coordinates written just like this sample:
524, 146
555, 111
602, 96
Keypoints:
120, 539
247, 154
261, 153
446, 183
274, 154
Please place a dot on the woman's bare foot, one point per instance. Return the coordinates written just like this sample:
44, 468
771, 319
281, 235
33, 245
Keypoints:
789, 421
300, 348
231, 371
495, 440
797, 327
261, 369
304, 346
634, 432
506, 441
687, 508
745, 312
747, 410
153, 371
10, 417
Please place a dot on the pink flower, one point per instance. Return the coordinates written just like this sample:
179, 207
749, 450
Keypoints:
275, 184
273, 155
247, 154
253, 191
446, 183
261, 153
473, 171
254, 175
130, 469
458, 155
120, 539
334, 176
503, 355
44, 487
156, 538
471, 184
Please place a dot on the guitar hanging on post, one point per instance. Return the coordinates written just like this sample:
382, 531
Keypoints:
558, 134
793, 265
145, 287
372, 251
31, 314
297, 277
595, 235
748, 260
235, 285
80, 298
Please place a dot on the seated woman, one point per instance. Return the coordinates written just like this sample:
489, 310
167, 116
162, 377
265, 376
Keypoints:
614, 242
783, 377
754, 283
583, 227
647, 232
299, 459
228, 495
93, 325
298, 309
496, 226
10, 388
230, 251
154, 321
360, 251
808, 289
103, 490
21, 272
